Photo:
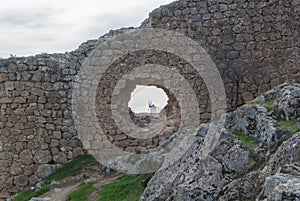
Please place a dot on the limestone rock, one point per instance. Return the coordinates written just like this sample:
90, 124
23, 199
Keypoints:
231, 172
287, 102
244, 188
281, 187
287, 158
199, 177
253, 120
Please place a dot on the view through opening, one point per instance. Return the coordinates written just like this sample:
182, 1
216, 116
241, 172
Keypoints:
147, 99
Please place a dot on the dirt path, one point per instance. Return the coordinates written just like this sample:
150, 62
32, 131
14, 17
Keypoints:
107, 180
59, 194
64, 187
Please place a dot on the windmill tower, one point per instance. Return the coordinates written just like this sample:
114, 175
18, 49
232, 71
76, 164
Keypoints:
151, 107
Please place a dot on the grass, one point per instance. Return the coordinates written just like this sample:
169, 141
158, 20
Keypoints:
27, 195
127, 188
248, 141
268, 104
72, 168
83, 193
290, 125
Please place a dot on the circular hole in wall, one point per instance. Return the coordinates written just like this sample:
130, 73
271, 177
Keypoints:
148, 99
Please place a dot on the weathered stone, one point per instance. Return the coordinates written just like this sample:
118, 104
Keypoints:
42, 157
223, 7
60, 158
279, 162
32, 145
29, 170
287, 103
45, 170
5, 100
57, 134
282, 187
26, 157
227, 40
6, 155
21, 180
37, 92
77, 152
120, 137
191, 178
15, 169
246, 20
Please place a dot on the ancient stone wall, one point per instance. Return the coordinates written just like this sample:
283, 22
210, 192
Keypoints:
255, 45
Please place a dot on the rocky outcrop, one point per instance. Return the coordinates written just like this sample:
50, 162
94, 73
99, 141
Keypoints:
281, 187
232, 170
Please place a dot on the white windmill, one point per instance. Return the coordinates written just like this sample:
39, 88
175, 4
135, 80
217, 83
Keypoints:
151, 107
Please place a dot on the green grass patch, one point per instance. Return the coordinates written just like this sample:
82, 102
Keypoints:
268, 104
290, 125
72, 168
127, 188
248, 141
83, 193
27, 195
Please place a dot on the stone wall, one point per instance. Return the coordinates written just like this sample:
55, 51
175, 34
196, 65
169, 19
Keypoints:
255, 45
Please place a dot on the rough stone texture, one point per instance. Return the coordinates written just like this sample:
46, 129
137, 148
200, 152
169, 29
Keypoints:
282, 187
284, 99
254, 44
286, 159
253, 120
199, 177
287, 104
277, 180
231, 172
250, 41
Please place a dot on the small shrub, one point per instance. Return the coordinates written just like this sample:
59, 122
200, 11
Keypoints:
290, 125
268, 104
248, 141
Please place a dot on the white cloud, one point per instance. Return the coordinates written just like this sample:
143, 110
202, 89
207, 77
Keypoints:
34, 26
141, 95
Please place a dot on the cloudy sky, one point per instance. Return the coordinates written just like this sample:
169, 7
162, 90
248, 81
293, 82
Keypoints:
142, 94
46, 26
